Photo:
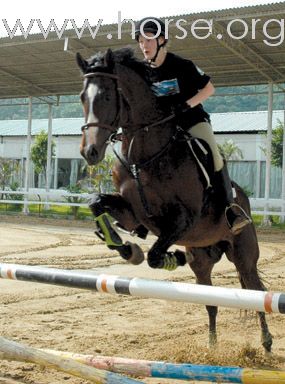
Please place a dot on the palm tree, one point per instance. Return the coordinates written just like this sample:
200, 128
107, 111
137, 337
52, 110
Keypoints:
230, 150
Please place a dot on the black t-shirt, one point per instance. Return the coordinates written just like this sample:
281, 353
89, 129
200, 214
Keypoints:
176, 81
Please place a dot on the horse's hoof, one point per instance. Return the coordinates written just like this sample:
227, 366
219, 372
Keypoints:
268, 354
137, 255
155, 263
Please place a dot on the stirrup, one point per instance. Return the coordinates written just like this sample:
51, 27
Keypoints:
240, 220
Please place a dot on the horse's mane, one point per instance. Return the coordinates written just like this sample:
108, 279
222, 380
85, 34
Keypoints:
123, 56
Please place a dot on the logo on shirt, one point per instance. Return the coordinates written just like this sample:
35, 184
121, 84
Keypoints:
165, 88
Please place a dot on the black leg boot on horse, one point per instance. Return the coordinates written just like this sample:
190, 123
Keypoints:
236, 216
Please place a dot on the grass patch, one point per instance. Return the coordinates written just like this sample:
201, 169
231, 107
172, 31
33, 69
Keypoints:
53, 211
274, 219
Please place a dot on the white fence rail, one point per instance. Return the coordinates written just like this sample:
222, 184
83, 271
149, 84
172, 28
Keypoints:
40, 197
276, 207
59, 197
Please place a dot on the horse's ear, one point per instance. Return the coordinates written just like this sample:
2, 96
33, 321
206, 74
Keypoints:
82, 64
109, 58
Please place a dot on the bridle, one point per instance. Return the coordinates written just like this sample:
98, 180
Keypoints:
109, 127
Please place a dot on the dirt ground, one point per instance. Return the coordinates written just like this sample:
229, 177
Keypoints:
45, 316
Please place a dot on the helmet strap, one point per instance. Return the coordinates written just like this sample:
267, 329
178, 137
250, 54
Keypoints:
152, 60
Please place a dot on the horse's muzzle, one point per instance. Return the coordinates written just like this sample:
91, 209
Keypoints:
91, 154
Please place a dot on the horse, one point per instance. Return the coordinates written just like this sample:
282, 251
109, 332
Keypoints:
160, 186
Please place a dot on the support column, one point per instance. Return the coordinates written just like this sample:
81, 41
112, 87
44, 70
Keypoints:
55, 180
28, 156
266, 220
258, 179
49, 154
282, 218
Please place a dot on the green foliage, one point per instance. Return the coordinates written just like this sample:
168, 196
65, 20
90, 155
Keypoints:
54, 211
39, 151
247, 191
8, 169
75, 199
70, 105
6, 172
100, 175
230, 150
14, 186
277, 145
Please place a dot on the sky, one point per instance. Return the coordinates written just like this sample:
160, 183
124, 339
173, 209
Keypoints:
93, 10
107, 9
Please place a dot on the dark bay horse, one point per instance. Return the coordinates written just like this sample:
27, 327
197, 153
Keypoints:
160, 186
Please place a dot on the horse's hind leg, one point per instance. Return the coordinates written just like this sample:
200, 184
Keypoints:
120, 210
202, 265
244, 254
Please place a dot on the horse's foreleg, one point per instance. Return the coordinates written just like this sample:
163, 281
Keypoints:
114, 205
172, 228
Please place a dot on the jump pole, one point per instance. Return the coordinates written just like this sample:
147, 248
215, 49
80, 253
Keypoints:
192, 293
13, 351
160, 369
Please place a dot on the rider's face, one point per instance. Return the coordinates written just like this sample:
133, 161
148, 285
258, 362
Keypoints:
148, 45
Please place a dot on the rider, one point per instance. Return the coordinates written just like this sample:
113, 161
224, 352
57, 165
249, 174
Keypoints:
182, 87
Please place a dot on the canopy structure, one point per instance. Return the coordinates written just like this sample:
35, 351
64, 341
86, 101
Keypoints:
243, 48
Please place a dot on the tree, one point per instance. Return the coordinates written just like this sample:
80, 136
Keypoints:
8, 169
230, 150
277, 145
99, 176
39, 152
6, 172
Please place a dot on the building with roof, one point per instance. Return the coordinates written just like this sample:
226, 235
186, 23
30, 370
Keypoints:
245, 129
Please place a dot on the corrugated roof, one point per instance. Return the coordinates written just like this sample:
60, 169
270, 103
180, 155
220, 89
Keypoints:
61, 126
255, 121
244, 121
40, 66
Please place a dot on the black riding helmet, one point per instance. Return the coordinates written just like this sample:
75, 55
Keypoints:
152, 25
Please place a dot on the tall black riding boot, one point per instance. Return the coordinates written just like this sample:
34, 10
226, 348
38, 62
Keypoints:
236, 217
